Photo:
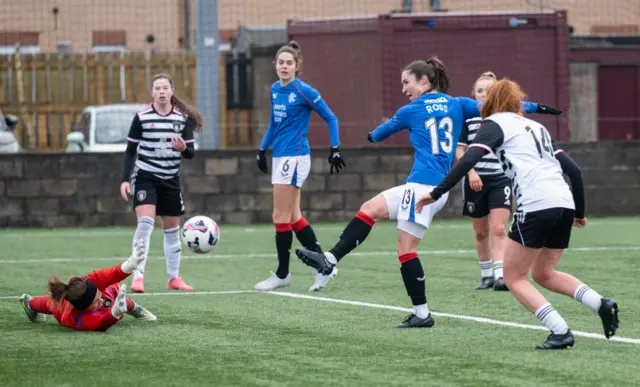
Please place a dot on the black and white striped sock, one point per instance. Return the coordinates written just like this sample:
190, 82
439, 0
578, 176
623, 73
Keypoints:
588, 297
497, 269
486, 268
551, 319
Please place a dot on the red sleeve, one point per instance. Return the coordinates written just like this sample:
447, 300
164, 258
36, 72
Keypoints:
105, 277
98, 320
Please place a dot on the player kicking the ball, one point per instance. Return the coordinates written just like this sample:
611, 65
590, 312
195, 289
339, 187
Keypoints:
94, 302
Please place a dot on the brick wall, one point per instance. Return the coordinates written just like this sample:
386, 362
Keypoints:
49, 190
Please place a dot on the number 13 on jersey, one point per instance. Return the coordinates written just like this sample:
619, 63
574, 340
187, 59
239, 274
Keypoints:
446, 126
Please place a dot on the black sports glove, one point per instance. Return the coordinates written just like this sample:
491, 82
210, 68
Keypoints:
370, 138
336, 161
261, 159
544, 109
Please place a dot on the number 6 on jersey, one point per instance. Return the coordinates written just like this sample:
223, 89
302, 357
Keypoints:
446, 124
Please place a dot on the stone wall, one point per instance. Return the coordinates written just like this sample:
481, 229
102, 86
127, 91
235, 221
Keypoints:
49, 190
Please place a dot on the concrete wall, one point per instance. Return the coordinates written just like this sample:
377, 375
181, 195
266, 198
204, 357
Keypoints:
53, 190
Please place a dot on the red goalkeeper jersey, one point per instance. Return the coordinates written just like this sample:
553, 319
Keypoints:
96, 320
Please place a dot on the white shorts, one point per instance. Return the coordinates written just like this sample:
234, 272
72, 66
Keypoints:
290, 170
401, 201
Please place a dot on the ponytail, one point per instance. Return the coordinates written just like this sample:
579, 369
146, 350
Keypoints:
58, 289
182, 106
434, 70
80, 292
504, 96
440, 80
189, 111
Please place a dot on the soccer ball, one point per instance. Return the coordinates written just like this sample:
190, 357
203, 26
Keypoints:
200, 234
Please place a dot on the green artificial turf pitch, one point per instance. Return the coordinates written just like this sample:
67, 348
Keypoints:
215, 336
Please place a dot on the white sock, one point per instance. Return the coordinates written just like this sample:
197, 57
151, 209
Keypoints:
421, 311
143, 231
497, 269
331, 258
588, 297
486, 269
551, 319
172, 251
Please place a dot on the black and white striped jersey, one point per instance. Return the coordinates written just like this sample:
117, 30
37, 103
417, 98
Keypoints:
153, 133
489, 165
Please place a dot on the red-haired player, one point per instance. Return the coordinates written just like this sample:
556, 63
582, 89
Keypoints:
94, 302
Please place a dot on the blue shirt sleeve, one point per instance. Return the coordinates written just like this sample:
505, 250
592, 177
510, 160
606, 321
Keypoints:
315, 101
529, 107
398, 122
268, 137
470, 107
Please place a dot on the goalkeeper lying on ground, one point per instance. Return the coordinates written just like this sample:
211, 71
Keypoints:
94, 302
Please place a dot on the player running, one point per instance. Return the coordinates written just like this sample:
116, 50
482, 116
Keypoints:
486, 196
94, 302
546, 212
292, 102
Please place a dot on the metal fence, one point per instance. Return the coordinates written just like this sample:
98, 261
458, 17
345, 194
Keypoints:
57, 58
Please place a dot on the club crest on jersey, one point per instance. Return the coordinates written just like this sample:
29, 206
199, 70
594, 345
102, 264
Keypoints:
177, 126
142, 195
292, 98
471, 207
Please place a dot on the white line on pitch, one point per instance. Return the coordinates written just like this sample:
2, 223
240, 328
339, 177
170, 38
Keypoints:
270, 255
167, 294
10, 233
454, 316
481, 320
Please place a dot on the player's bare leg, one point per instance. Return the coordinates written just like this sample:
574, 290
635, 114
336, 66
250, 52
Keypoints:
283, 199
498, 218
353, 235
518, 260
145, 213
483, 248
172, 253
544, 273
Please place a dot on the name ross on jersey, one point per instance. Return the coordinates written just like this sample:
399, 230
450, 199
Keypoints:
437, 108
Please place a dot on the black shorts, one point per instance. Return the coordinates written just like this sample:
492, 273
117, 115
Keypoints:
550, 228
164, 194
496, 193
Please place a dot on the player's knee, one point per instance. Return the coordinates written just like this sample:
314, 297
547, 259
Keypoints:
498, 230
541, 275
374, 209
510, 278
281, 215
482, 234
296, 215
170, 222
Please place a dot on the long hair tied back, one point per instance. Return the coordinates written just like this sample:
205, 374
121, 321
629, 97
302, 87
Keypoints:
503, 96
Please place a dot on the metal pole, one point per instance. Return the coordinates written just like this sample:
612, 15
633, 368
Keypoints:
208, 72
187, 25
